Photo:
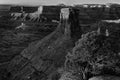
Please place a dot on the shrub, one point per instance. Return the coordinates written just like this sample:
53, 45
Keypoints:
95, 54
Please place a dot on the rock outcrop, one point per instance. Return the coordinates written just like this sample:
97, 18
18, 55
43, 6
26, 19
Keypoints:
42, 58
87, 13
93, 13
105, 78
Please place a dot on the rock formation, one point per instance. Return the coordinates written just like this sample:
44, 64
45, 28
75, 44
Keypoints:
41, 59
92, 14
105, 78
87, 14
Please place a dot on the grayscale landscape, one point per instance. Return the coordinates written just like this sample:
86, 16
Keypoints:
60, 42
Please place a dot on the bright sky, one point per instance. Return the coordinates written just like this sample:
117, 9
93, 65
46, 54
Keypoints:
46, 2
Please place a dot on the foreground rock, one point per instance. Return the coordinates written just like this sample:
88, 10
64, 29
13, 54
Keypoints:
105, 78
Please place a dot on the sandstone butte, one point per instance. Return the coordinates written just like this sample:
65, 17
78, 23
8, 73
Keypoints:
45, 56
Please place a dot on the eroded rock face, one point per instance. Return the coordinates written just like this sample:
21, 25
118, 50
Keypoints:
87, 14
91, 15
42, 58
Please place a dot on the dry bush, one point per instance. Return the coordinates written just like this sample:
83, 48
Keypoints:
95, 54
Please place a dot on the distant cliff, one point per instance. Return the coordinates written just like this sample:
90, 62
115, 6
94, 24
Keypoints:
88, 13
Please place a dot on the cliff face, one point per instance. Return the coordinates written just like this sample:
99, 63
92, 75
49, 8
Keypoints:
44, 57
91, 15
88, 14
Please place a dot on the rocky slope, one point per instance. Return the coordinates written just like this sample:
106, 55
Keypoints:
43, 58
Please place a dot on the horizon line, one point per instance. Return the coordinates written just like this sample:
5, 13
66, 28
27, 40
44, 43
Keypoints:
20, 4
